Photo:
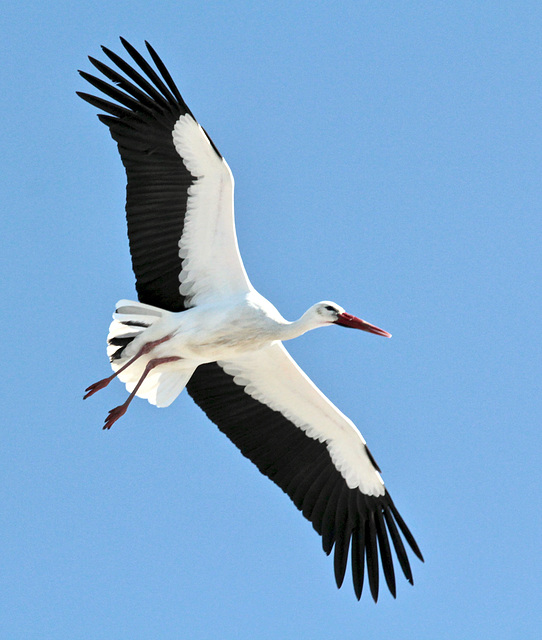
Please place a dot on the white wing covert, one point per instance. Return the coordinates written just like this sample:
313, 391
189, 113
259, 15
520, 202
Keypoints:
272, 377
212, 265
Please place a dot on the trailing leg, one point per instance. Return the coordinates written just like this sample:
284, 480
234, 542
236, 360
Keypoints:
145, 349
119, 411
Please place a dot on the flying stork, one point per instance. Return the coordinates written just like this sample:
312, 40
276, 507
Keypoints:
200, 324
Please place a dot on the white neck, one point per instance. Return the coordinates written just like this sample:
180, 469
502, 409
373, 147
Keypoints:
297, 328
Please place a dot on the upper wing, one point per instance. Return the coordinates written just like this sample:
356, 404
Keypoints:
179, 194
280, 420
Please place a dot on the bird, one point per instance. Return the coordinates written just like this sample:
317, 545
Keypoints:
199, 323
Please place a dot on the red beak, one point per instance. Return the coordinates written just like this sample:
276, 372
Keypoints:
346, 320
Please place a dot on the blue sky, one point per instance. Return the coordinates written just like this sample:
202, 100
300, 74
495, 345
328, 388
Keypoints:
387, 156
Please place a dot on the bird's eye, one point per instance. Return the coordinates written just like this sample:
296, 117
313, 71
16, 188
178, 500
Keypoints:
330, 308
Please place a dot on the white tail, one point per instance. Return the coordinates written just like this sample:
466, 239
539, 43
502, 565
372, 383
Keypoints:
129, 320
163, 384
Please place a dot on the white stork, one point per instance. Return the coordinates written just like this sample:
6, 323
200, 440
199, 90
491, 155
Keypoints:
200, 323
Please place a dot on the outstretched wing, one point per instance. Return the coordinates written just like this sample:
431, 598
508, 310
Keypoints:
179, 194
295, 436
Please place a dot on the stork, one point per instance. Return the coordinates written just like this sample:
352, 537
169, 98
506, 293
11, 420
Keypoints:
200, 324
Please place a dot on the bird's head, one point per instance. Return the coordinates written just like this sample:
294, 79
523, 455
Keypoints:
331, 313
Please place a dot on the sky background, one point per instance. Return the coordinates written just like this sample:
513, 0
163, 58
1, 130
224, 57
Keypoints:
388, 156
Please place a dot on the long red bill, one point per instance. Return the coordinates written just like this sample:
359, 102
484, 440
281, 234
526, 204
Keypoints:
346, 320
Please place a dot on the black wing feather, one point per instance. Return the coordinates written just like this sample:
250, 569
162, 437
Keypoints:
120, 81
385, 552
371, 553
358, 559
343, 533
398, 546
140, 80
164, 72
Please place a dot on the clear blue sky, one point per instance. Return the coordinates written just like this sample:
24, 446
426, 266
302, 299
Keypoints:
387, 156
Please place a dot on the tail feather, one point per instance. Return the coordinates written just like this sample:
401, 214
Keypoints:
165, 386
129, 307
130, 320
159, 387
122, 342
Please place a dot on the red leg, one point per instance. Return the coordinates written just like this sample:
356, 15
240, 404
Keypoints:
119, 411
101, 384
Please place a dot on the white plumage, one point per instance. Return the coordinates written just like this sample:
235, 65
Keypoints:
200, 324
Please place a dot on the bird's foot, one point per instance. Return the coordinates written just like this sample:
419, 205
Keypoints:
101, 384
114, 415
